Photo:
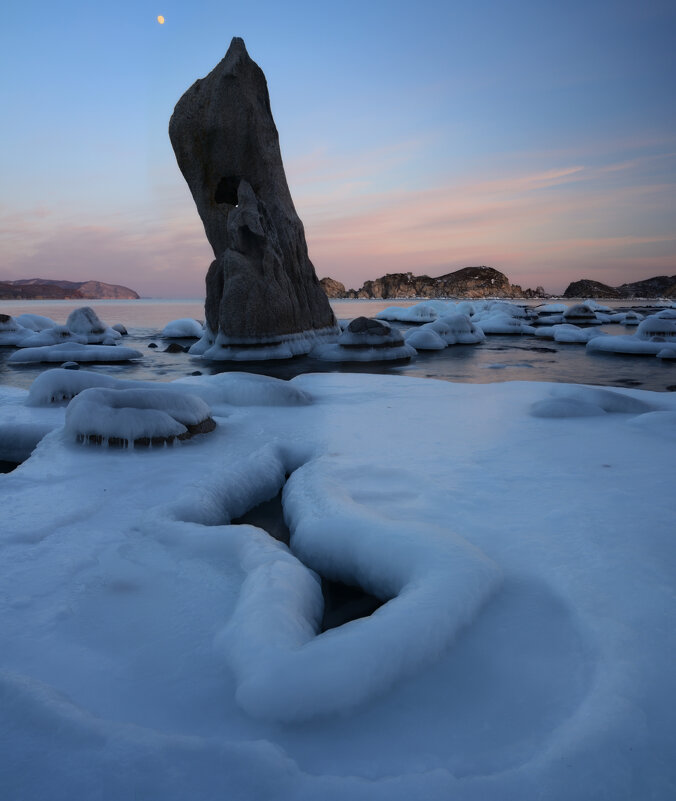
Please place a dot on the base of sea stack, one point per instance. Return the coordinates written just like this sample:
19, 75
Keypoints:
224, 349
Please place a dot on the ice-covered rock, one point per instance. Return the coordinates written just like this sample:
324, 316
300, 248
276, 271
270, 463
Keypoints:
184, 328
262, 290
73, 352
581, 314
12, 333
54, 335
423, 312
36, 322
365, 339
424, 338
658, 327
136, 417
86, 322
567, 332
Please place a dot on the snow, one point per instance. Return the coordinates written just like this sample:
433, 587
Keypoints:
424, 338
12, 333
567, 332
183, 328
36, 322
365, 340
85, 321
150, 648
126, 416
73, 352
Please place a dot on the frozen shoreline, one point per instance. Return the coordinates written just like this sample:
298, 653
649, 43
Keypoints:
128, 599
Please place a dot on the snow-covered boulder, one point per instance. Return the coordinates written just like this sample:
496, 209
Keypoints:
581, 314
136, 417
12, 333
85, 321
365, 340
424, 338
183, 328
36, 322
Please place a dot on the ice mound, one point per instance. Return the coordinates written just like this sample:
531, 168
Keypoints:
582, 401
581, 314
667, 353
85, 321
75, 352
365, 339
55, 335
424, 312
224, 349
204, 343
567, 332
136, 417
424, 338
184, 328
658, 327
457, 329
235, 389
437, 581
12, 333
244, 389
36, 322
501, 322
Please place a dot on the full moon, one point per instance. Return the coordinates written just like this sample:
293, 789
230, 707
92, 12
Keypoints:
160, 19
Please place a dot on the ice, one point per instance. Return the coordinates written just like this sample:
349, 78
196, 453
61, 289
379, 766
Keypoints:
365, 340
426, 311
36, 322
55, 335
150, 647
12, 333
184, 328
566, 332
85, 321
128, 416
588, 401
73, 352
223, 349
424, 338
500, 321
661, 325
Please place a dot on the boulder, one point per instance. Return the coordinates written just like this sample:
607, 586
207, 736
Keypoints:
261, 288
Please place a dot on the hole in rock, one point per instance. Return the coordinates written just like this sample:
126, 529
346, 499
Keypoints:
7, 467
342, 602
226, 191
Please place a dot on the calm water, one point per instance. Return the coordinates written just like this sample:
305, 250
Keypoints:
500, 358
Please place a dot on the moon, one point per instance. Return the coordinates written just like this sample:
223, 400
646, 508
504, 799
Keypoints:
160, 19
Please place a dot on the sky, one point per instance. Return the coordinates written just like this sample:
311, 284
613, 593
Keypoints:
533, 136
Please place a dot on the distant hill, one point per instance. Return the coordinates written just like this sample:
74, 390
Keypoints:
469, 282
662, 286
54, 289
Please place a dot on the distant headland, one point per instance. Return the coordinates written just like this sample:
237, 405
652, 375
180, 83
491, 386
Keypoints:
54, 289
487, 282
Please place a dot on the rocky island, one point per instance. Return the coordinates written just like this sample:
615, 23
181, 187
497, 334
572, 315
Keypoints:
54, 289
662, 286
469, 282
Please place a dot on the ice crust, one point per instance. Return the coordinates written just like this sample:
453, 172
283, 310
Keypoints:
149, 647
71, 351
125, 416
184, 328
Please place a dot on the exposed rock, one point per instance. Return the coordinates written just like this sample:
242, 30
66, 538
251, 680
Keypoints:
590, 289
469, 282
262, 287
54, 289
333, 289
662, 286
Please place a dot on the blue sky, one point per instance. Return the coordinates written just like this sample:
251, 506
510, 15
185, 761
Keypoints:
535, 137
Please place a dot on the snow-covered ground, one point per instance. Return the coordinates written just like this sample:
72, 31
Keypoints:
525, 534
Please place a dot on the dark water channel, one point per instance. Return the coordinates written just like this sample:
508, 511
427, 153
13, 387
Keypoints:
342, 602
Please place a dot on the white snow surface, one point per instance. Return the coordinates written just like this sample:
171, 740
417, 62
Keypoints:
86, 321
150, 648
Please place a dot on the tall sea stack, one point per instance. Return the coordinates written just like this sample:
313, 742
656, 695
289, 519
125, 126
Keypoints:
263, 297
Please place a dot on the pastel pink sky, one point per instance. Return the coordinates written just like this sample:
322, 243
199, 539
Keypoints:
531, 137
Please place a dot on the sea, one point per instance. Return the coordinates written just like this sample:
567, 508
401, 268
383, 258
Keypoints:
500, 358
